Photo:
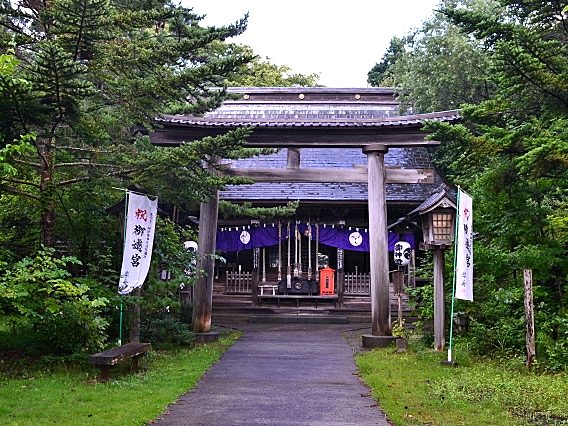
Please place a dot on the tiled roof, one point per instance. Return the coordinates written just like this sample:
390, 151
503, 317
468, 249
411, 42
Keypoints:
363, 110
415, 157
290, 121
341, 158
282, 192
436, 195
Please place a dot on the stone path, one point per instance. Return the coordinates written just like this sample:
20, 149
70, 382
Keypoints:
280, 375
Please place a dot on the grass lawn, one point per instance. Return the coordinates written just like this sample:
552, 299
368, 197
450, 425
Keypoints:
415, 389
70, 396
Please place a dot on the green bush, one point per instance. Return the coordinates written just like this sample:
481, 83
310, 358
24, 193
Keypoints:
39, 292
166, 331
552, 342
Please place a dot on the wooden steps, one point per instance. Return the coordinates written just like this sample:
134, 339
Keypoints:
233, 308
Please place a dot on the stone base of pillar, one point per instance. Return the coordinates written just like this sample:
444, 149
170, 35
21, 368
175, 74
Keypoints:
204, 338
372, 341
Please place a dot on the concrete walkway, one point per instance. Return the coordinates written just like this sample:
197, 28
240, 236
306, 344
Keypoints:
280, 375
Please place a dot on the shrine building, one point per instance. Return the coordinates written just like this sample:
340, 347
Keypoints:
354, 166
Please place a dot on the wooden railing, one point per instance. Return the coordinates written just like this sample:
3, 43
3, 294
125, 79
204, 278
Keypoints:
238, 283
357, 284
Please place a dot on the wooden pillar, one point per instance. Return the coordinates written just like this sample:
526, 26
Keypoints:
529, 317
255, 275
203, 291
134, 332
293, 158
340, 276
380, 297
398, 287
439, 316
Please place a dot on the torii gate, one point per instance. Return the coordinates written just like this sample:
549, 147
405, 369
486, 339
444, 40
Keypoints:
373, 136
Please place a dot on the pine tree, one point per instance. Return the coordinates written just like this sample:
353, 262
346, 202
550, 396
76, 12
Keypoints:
86, 75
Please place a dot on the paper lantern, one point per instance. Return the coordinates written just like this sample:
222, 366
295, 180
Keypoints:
402, 253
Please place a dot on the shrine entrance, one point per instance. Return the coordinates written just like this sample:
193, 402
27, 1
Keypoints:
349, 123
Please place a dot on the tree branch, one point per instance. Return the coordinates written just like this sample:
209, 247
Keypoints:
18, 192
20, 182
73, 148
86, 178
79, 163
26, 163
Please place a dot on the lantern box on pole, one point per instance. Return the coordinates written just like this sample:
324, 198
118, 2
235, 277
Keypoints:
437, 216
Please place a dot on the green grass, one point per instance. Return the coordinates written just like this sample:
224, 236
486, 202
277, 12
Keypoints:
415, 389
69, 395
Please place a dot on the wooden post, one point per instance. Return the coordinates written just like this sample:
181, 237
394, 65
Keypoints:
398, 287
340, 276
185, 296
439, 332
289, 267
134, 332
203, 291
264, 265
293, 158
412, 270
255, 275
379, 279
529, 318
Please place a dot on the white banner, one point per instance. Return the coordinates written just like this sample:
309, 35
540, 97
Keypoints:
139, 239
464, 248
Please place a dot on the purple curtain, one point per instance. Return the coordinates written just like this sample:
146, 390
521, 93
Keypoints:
356, 239
246, 239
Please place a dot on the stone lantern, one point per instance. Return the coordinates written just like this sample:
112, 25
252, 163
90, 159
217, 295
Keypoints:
437, 217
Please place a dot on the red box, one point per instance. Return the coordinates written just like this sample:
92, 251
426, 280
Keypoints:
327, 281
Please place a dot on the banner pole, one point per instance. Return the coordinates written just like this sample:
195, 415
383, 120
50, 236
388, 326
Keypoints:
123, 249
120, 323
450, 359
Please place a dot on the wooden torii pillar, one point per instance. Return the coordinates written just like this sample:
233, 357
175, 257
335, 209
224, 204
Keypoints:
378, 242
401, 131
203, 289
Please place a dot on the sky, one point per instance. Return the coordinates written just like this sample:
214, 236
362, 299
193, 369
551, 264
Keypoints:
339, 40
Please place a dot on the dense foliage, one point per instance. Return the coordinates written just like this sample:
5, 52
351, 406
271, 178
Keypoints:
63, 312
511, 153
437, 67
81, 83
261, 72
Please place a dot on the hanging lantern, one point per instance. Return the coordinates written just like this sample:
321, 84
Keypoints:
190, 246
402, 253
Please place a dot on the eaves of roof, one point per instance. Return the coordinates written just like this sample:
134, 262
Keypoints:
396, 121
434, 199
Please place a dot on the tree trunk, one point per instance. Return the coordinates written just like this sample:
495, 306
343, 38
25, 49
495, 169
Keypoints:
529, 317
47, 194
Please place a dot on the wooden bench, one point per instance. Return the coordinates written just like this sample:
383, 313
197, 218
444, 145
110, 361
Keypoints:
297, 297
273, 288
108, 359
